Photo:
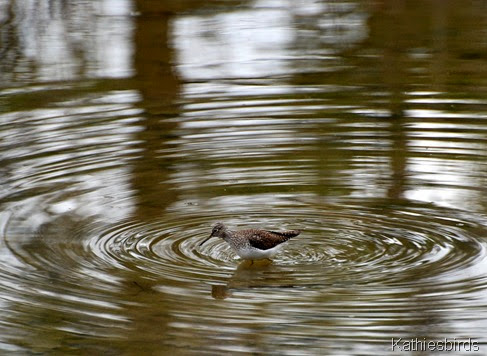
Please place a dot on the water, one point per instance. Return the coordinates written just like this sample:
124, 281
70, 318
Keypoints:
127, 129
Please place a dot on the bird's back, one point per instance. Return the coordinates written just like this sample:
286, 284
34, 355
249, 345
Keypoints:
266, 239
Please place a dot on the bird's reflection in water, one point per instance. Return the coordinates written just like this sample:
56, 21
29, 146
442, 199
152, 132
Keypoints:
252, 274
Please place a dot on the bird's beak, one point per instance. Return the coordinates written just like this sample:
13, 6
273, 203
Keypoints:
201, 244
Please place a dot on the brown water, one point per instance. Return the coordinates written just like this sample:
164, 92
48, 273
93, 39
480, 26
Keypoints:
128, 128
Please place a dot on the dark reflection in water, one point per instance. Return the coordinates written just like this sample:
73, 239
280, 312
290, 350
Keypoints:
127, 128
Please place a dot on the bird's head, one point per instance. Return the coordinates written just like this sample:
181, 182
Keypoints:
218, 230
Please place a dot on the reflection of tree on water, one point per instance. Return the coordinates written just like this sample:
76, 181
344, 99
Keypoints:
157, 82
57, 40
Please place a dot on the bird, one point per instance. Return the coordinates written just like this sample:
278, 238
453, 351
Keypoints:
252, 244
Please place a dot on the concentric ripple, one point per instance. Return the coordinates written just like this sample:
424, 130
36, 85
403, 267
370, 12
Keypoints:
356, 261
359, 244
156, 248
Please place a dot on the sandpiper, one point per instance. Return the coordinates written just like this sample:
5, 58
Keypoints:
252, 244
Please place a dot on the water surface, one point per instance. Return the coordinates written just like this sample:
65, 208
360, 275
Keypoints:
128, 128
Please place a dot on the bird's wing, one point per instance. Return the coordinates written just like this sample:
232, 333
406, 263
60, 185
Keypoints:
264, 239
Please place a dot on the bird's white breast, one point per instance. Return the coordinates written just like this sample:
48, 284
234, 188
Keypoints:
252, 253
